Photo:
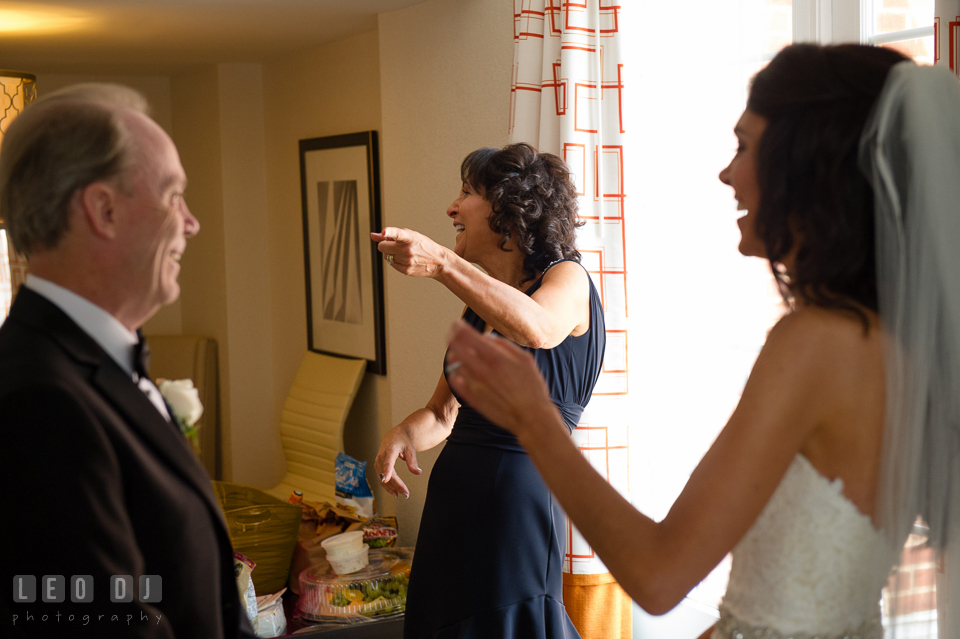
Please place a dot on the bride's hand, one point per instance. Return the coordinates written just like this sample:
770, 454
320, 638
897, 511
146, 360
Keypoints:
499, 379
410, 252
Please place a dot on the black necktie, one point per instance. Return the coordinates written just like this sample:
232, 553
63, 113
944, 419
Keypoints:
141, 363
141, 356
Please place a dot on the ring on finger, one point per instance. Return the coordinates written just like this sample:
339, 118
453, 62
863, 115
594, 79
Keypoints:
452, 367
381, 476
390, 258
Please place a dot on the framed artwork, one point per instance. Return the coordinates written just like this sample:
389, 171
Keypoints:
340, 192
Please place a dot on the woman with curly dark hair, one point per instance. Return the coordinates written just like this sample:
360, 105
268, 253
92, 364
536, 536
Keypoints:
848, 178
489, 554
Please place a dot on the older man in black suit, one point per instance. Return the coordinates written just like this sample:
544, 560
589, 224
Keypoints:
98, 483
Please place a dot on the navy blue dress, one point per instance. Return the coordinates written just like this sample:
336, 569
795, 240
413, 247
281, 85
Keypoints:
489, 556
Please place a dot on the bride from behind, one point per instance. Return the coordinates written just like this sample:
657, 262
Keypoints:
848, 174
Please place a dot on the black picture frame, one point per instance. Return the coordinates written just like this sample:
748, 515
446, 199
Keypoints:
340, 196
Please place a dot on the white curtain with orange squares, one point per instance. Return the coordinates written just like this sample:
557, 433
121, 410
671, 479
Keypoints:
947, 34
567, 99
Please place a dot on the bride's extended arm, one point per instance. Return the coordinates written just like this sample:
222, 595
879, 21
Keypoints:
542, 320
658, 563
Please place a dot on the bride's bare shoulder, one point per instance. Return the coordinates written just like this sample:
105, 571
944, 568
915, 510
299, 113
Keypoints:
826, 335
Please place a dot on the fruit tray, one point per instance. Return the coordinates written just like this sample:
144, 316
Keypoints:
377, 591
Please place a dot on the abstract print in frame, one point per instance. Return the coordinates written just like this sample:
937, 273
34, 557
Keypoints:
340, 192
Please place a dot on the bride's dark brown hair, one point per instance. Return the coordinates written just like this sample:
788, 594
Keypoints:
816, 100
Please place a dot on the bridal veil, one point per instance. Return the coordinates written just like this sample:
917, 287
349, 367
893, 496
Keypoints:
910, 153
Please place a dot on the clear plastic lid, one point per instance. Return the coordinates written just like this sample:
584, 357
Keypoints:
377, 591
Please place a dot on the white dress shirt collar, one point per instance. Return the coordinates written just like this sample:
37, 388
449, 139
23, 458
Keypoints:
106, 330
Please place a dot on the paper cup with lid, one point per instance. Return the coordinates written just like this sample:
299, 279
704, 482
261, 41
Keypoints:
346, 552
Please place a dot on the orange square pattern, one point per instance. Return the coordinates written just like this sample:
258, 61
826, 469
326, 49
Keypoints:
567, 99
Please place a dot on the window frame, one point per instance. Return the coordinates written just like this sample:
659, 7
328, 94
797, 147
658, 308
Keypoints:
827, 21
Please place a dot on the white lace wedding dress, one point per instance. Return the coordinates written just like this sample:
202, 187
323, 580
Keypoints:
807, 567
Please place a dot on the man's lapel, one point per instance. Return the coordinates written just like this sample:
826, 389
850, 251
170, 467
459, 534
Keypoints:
137, 411
143, 418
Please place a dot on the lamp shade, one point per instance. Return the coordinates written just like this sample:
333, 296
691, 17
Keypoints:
17, 90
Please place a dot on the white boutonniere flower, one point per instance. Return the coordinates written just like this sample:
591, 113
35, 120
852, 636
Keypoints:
184, 402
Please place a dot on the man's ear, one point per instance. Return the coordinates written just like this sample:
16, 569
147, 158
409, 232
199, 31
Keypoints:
97, 204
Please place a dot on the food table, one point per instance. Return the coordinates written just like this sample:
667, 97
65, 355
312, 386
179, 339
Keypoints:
349, 588
382, 629
372, 597
389, 629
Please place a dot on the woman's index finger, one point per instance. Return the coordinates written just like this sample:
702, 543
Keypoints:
394, 234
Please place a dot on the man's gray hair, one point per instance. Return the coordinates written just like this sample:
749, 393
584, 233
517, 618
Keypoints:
61, 143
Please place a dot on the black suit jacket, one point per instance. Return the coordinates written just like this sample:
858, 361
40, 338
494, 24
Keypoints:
96, 482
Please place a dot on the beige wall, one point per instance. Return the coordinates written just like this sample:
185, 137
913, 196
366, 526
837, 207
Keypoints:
330, 90
156, 88
257, 455
445, 70
196, 122
219, 129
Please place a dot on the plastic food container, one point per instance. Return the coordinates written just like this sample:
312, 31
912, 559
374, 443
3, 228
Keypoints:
378, 590
351, 563
349, 543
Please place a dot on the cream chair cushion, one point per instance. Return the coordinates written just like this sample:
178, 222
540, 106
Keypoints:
311, 424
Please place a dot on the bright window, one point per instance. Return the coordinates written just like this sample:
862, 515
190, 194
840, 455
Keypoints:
5, 290
699, 311
904, 25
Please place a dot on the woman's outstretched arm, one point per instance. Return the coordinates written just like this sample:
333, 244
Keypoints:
658, 563
542, 320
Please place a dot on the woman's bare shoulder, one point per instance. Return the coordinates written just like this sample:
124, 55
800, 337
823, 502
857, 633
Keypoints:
813, 362
824, 337
827, 323
566, 268
564, 274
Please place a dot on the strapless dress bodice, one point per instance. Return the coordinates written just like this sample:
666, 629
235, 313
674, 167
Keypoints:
808, 567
